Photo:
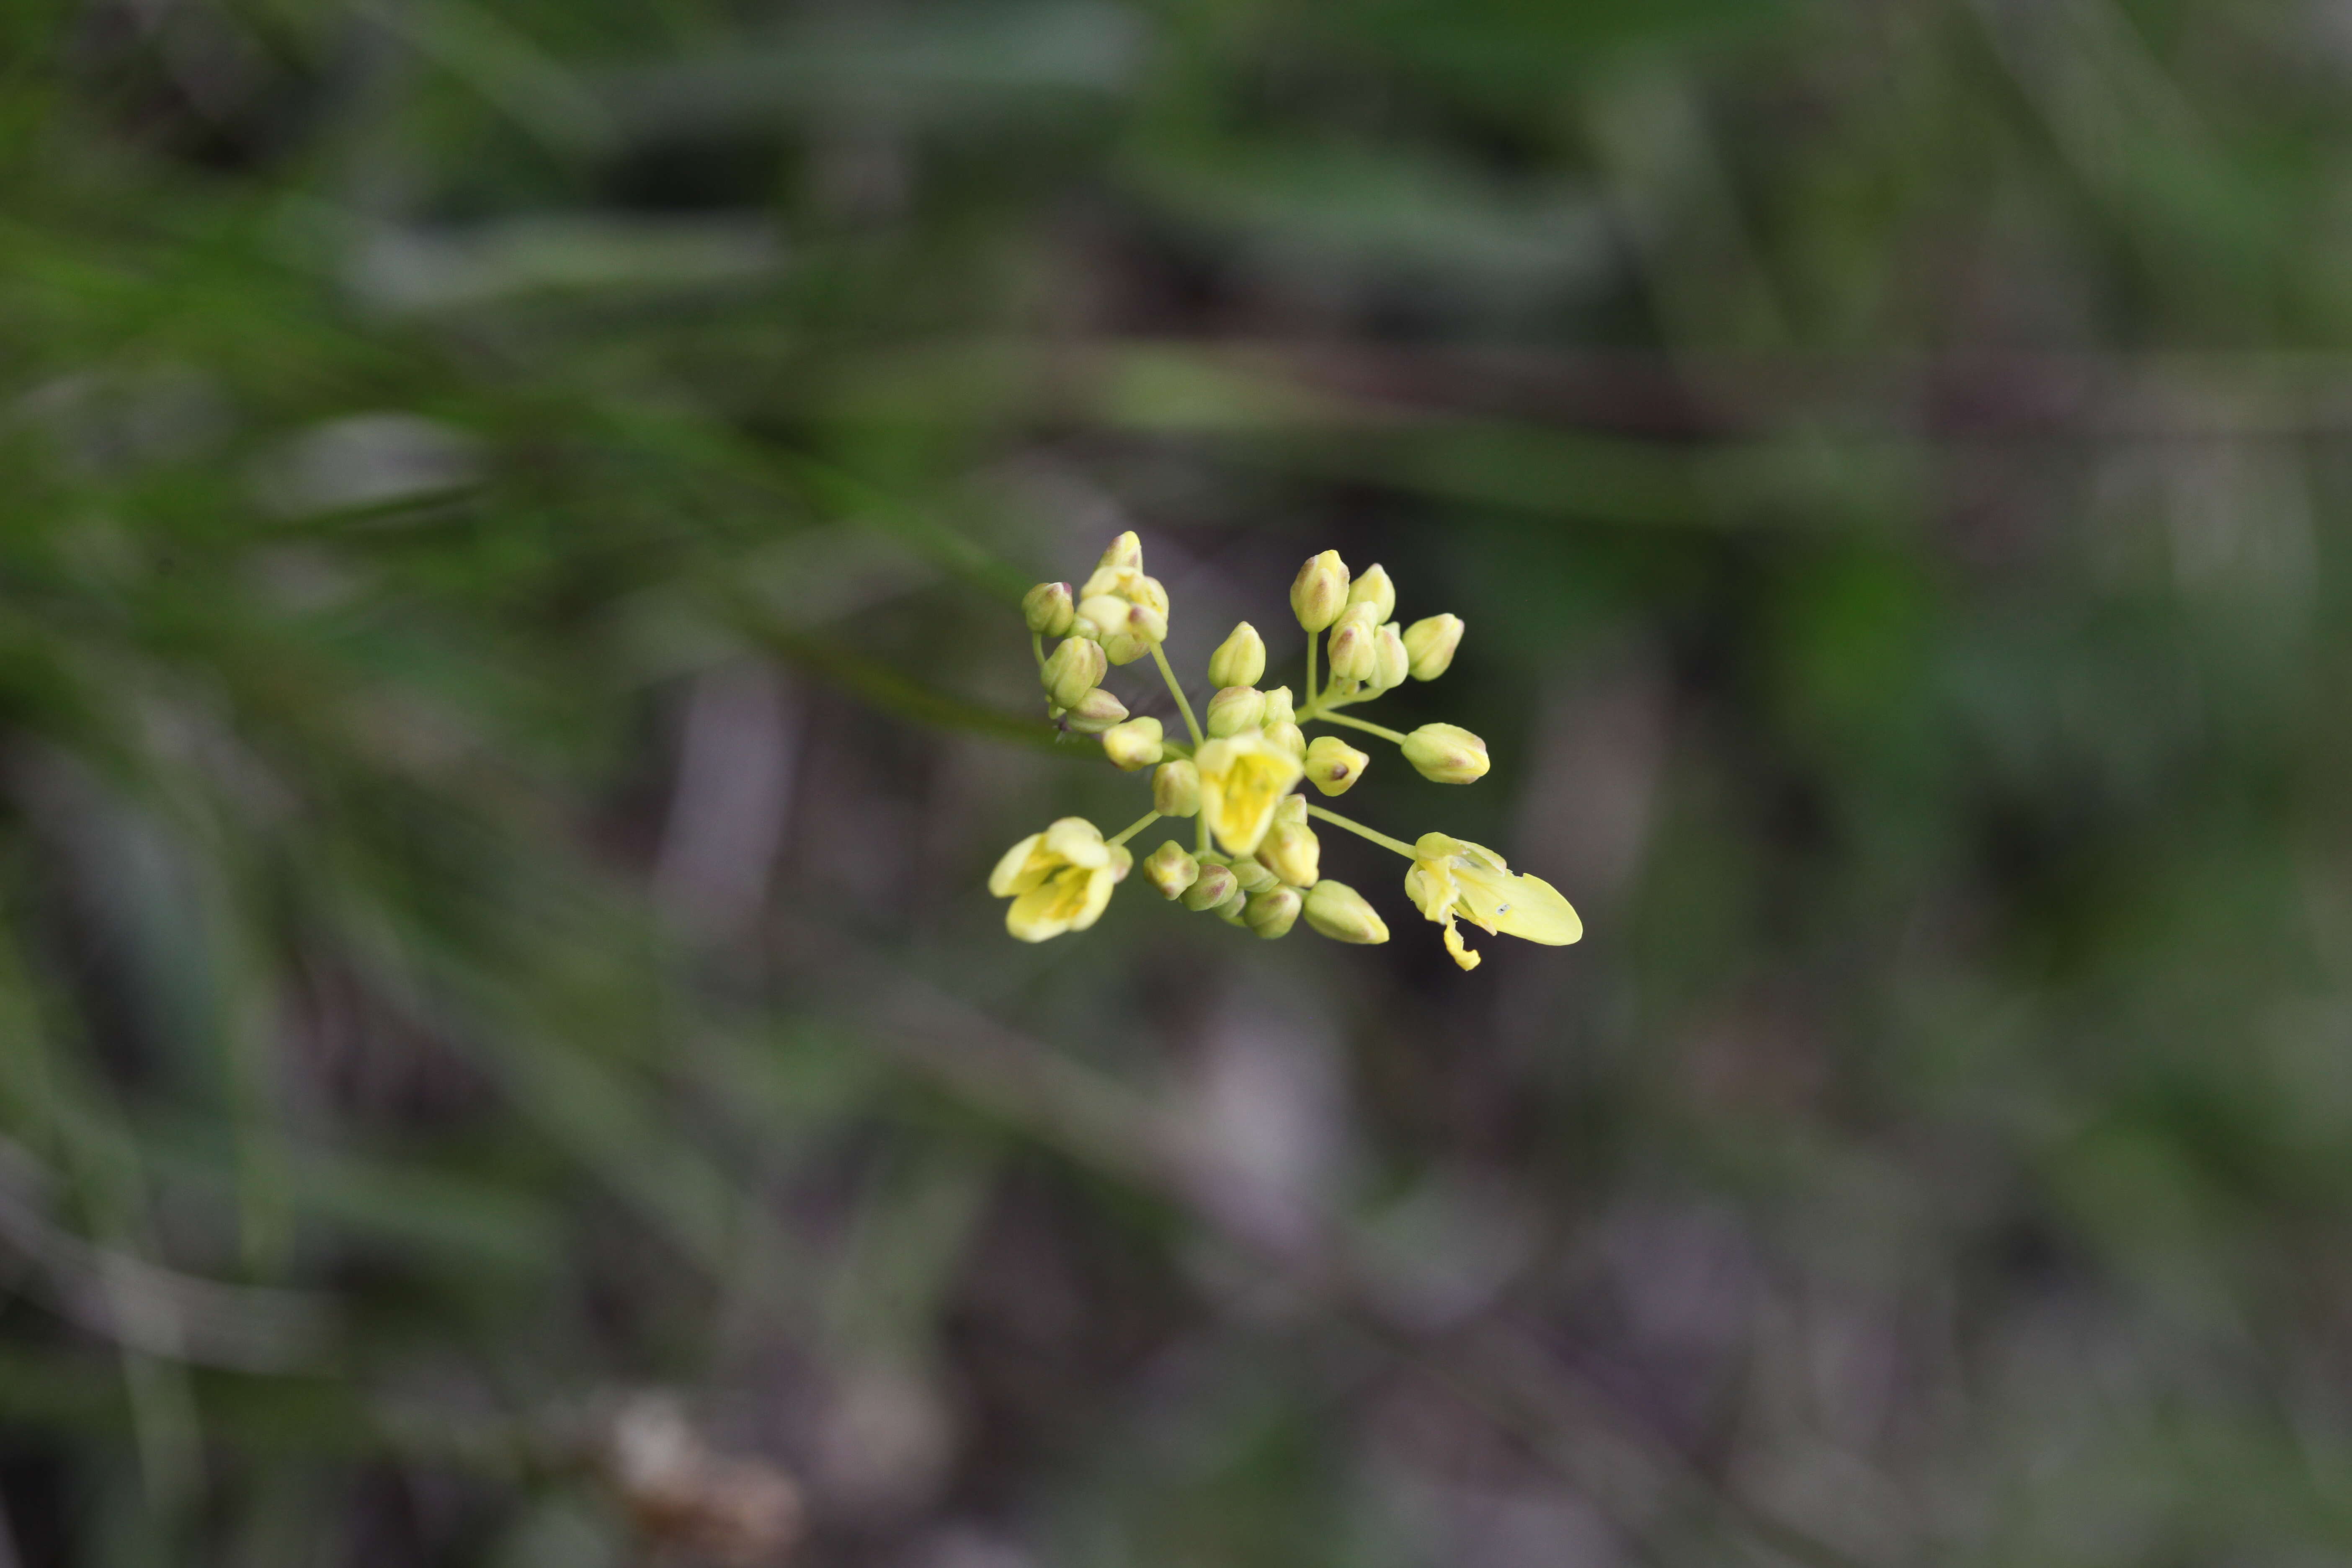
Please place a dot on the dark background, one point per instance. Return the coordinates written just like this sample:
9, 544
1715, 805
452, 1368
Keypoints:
510, 518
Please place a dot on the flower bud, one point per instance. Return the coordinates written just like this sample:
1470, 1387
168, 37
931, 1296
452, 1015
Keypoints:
1446, 753
1235, 909
1372, 587
1144, 629
1171, 869
1391, 663
1107, 613
1272, 913
1289, 737
1292, 852
1075, 668
1430, 644
1213, 886
1082, 627
1279, 709
1122, 861
1333, 766
1240, 659
1125, 550
1320, 591
1340, 913
1176, 788
1094, 713
1354, 655
1125, 583
1292, 809
1235, 710
1048, 609
1252, 874
1133, 745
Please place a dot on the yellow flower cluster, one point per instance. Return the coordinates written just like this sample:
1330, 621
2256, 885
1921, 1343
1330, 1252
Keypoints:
1255, 860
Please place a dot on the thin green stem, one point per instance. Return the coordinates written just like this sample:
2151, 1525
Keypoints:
1382, 730
1361, 831
1037, 647
1138, 825
1312, 697
1200, 833
1160, 658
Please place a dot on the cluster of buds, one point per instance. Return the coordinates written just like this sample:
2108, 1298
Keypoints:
1255, 859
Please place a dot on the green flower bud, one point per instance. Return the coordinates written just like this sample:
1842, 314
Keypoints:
1176, 788
1125, 550
1252, 874
1446, 753
1279, 709
1333, 766
1075, 668
1372, 587
1143, 630
1128, 610
1292, 852
1340, 913
1094, 713
1133, 745
1214, 886
1431, 643
1354, 653
1289, 737
1235, 710
1292, 809
1240, 659
1048, 609
1235, 909
1391, 663
1272, 913
1171, 869
1320, 591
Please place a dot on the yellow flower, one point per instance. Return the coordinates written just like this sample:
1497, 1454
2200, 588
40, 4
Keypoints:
1059, 879
1452, 878
1243, 779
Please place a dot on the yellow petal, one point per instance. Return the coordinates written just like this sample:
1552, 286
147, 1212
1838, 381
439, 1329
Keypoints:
1055, 905
1539, 913
1526, 907
1097, 895
1430, 885
1461, 954
1243, 780
1005, 880
1077, 841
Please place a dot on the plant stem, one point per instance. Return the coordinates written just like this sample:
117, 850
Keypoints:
1138, 825
1037, 647
1160, 658
1358, 828
1380, 730
1312, 699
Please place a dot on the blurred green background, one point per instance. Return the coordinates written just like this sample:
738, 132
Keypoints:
510, 517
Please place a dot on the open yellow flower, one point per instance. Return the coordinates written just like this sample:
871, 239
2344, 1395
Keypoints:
1243, 778
1059, 879
1452, 878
